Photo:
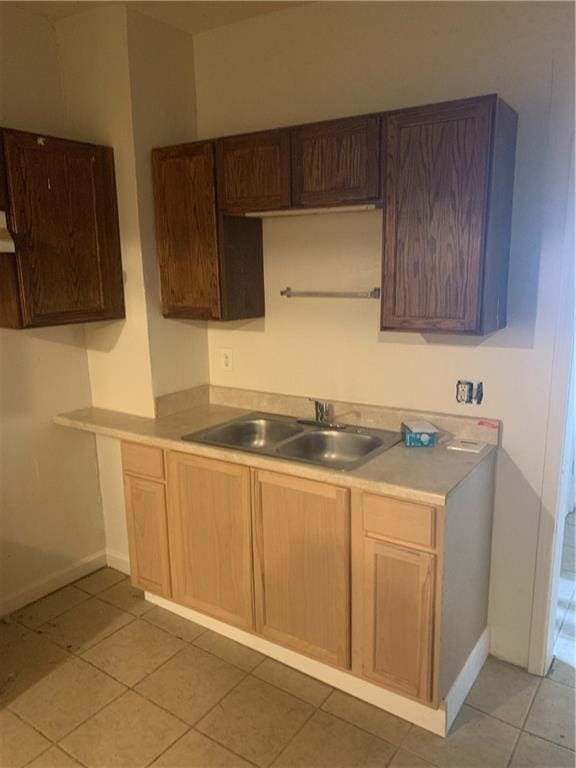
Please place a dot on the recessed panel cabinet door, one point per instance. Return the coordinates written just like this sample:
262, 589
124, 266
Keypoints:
336, 162
210, 537
254, 172
186, 230
147, 534
301, 565
64, 217
398, 618
436, 200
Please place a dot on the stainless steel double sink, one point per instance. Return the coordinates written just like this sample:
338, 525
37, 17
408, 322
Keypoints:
336, 446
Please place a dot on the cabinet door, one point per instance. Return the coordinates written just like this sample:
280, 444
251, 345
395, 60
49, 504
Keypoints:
336, 162
147, 534
398, 618
435, 200
254, 172
63, 213
210, 537
186, 230
301, 561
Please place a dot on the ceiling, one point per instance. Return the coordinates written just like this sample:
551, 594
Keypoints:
192, 17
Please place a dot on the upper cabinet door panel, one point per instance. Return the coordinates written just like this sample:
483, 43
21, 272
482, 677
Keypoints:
186, 231
336, 162
254, 172
436, 198
64, 216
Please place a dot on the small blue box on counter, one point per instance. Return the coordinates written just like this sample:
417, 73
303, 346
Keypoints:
419, 434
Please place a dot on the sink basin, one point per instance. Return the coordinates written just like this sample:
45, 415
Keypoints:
331, 448
251, 434
282, 437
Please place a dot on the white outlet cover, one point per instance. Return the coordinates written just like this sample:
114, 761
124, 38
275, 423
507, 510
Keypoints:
226, 359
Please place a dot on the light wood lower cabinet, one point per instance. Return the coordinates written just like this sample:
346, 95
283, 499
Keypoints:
398, 613
209, 524
395, 591
302, 566
147, 534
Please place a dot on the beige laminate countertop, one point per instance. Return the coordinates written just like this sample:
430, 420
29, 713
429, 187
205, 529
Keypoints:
427, 475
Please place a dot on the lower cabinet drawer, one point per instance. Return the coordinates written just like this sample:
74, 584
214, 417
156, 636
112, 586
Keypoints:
145, 460
399, 520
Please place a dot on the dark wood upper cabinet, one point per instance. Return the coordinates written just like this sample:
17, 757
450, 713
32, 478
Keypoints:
62, 214
448, 203
336, 162
210, 262
254, 172
443, 174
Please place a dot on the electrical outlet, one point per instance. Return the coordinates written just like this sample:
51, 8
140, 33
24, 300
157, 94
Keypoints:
469, 392
226, 360
464, 391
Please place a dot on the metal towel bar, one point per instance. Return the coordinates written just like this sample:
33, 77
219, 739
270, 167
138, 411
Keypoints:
290, 294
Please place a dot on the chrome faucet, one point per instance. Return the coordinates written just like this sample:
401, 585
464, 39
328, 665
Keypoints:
322, 411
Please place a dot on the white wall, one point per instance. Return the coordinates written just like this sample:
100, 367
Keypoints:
161, 61
128, 81
49, 504
330, 60
93, 50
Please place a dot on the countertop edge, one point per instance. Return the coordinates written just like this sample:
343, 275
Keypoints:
265, 463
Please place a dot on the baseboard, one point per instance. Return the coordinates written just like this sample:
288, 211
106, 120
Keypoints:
56, 580
433, 720
118, 560
465, 680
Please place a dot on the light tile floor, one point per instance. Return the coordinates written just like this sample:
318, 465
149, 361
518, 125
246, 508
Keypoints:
95, 676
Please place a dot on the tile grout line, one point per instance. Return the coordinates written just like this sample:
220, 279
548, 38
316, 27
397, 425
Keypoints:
52, 742
172, 744
549, 741
116, 698
499, 719
130, 686
294, 735
524, 729
49, 747
514, 748
39, 631
370, 733
88, 595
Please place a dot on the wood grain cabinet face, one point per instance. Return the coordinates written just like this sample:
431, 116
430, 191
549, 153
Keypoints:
186, 230
63, 215
254, 172
211, 264
398, 618
301, 562
336, 162
443, 268
209, 524
147, 534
